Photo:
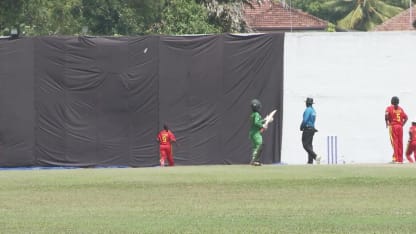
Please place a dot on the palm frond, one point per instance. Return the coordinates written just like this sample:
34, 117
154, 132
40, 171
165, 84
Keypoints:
386, 9
365, 14
352, 19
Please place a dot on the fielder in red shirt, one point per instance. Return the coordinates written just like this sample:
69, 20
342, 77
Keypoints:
411, 145
395, 118
165, 139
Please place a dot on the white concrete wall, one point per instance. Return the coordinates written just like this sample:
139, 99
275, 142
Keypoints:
352, 77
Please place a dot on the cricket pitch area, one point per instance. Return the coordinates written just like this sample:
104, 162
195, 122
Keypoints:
348, 198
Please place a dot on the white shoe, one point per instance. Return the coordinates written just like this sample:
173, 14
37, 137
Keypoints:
318, 159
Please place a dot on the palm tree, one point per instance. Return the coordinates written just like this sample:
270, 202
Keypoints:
361, 15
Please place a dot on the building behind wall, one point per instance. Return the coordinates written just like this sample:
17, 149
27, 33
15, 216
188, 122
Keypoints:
280, 17
404, 21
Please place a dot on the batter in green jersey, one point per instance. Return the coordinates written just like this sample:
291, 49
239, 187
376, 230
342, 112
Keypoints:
255, 132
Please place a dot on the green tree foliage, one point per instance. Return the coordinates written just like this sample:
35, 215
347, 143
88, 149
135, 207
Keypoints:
108, 17
9, 9
400, 3
122, 17
184, 17
353, 14
50, 18
18, 13
149, 13
313, 7
67, 17
136, 17
362, 14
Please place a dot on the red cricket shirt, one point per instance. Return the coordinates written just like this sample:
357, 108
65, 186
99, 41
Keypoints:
412, 131
396, 116
165, 137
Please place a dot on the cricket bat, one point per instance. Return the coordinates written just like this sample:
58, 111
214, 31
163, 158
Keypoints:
268, 119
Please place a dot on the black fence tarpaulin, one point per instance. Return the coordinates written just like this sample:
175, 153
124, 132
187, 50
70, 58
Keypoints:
100, 101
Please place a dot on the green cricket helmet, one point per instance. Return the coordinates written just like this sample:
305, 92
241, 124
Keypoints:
255, 105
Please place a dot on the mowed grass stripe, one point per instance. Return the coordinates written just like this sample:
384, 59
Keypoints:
375, 198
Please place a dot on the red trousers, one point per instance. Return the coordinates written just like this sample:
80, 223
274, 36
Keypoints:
396, 138
166, 152
411, 149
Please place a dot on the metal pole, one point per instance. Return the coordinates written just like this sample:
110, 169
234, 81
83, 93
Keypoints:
411, 12
290, 15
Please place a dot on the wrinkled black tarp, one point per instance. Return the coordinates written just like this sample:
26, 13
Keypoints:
97, 101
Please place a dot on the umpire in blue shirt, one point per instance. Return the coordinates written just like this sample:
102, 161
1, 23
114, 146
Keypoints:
308, 131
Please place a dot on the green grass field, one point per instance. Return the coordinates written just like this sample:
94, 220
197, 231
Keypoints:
211, 199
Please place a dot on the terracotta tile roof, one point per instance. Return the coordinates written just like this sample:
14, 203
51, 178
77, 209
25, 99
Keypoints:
401, 22
270, 16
